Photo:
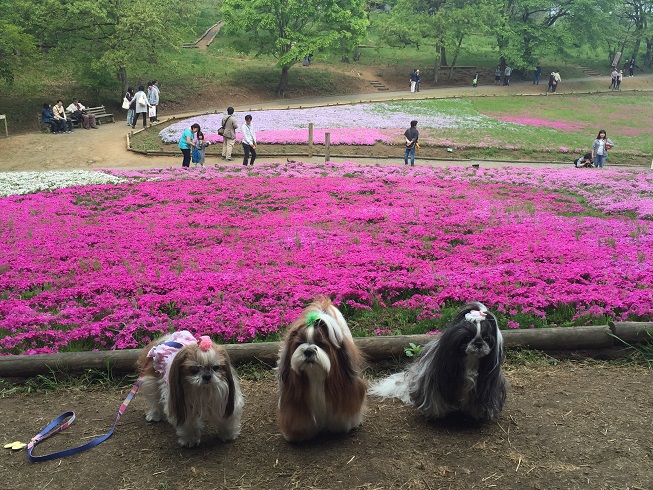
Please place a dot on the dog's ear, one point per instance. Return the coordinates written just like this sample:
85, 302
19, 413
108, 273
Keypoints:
229, 374
177, 398
343, 384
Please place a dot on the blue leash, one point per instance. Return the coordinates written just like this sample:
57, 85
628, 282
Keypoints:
58, 425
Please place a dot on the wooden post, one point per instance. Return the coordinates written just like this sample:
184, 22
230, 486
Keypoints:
327, 147
2, 116
310, 140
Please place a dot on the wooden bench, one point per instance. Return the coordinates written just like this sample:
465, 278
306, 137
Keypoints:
99, 112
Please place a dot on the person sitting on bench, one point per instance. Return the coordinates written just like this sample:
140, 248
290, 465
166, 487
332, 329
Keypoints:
47, 117
78, 112
60, 116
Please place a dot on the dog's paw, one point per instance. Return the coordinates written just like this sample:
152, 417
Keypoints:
189, 442
154, 416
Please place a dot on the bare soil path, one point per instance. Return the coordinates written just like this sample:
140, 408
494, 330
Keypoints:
570, 426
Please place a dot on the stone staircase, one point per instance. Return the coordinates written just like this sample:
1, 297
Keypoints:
378, 85
590, 72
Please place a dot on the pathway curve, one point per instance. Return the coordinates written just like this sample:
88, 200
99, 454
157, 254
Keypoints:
205, 41
106, 147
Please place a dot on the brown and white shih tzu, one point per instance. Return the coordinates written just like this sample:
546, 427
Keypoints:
458, 372
191, 382
320, 387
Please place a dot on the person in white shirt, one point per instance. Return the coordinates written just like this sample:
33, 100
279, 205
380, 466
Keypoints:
76, 111
153, 99
614, 75
249, 140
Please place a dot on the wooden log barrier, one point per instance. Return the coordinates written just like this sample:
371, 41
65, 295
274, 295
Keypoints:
374, 348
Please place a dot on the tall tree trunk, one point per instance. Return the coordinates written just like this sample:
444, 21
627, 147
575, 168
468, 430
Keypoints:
443, 55
436, 64
649, 48
455, 55
283, 81
122, 76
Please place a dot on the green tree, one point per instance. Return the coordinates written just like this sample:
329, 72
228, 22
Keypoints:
290, 30
16, 47
441, 23
529, 29
105, 36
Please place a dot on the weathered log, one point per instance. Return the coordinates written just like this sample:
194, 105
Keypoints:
633, 332
374, 348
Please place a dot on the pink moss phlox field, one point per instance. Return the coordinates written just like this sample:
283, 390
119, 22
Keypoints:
237, 253
533, 121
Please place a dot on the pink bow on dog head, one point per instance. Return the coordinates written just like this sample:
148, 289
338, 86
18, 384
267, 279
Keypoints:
475, 316
205, 343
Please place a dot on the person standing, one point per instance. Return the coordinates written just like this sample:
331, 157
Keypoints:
620, 76
64, 123
600, 149
536, 74
631, 67
413, 80
229, 135
153, 100
77, 111
140, 106
249, 140
129, 95
497, 75
411, 135
506, 75
200, 145
418, 80
613, 82
557, 80
186, 141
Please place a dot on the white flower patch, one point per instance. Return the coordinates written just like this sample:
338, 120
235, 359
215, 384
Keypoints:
18, 183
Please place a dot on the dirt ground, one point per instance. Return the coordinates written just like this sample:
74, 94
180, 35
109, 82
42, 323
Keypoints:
568, 426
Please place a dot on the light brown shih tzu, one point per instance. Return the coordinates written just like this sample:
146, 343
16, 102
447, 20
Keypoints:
189, 383
319, 366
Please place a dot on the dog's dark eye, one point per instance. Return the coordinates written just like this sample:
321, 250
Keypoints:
215, 367
194, 370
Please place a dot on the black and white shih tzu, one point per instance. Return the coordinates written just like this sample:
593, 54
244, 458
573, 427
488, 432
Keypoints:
320, 387
191, 382
458, 372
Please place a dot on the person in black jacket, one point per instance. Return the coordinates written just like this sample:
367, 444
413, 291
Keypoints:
411, 136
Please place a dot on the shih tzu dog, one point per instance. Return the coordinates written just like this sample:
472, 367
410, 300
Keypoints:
320, 387
458, 372
189, 383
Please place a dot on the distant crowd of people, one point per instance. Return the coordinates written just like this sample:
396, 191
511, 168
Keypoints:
142, 103
193, 145
61, 119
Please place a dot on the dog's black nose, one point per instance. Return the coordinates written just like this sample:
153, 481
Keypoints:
206, 378
310, 354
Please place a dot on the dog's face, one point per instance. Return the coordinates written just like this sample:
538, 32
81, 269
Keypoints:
195, 371
198, 367
479, 339
475, 333
311, 348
